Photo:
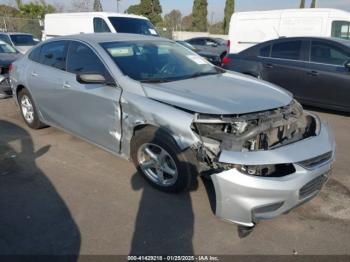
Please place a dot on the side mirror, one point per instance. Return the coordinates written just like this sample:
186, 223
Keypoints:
91, 79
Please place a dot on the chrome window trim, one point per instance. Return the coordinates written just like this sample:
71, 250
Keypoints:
303, 61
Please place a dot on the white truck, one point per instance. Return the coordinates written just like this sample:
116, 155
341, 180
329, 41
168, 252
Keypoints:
250, 28
62, 24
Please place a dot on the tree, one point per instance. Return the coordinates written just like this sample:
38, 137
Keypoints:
148, 8
229, 10
97, 6
217, 28
35, 9
186, 23
313, 4
173, 19
199, 15
302, 3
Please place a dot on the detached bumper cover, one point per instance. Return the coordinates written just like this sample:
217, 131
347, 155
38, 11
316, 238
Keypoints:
245, 199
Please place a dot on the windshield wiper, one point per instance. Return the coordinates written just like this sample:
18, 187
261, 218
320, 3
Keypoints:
155, 80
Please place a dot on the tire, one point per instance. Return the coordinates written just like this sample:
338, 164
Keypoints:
183, 162
26, 102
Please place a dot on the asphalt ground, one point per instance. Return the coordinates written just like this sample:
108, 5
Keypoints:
61, 195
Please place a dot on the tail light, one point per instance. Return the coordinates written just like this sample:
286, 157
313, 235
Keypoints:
226, 60
10, 68
228, 46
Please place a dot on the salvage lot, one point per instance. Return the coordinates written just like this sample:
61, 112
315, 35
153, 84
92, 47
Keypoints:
61, 195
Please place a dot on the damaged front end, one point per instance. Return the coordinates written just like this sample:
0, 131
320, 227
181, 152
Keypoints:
249, 157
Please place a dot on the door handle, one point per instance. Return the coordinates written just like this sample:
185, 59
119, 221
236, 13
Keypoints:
312, 73
268, 66
66, 85
34, 74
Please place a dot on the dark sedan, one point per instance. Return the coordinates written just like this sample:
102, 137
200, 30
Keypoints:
315, 70
8, 54
215, 59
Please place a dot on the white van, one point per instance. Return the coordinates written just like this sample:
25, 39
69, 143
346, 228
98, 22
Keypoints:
250, 28
61, 24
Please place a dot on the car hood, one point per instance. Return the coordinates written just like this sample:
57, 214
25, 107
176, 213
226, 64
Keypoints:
228, 93
6, 59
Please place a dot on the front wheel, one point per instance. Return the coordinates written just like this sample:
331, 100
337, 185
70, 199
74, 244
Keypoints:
161, 162
28, 110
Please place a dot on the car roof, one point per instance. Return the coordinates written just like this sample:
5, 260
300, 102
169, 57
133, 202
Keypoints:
110, 37
281, 39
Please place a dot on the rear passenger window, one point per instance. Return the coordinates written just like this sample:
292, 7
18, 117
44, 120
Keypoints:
328, 54
265, 51
54, 54
287, 50
81, 59
100, 26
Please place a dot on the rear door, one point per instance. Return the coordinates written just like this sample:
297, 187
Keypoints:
286, 65
328, 80
92, 110
45, 78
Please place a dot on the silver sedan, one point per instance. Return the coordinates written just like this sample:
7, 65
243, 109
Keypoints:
176, 116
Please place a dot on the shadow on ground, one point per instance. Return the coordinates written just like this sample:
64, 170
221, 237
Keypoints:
34, 219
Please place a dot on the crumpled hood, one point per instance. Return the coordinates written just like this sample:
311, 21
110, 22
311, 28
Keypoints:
6, 59
228, 93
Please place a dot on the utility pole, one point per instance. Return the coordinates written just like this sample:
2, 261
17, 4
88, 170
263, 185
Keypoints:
118, 6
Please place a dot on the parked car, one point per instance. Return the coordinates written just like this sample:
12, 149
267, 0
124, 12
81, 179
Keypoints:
212, 45
21, 41
62, 24
315, 70
212, 58
176, 116
8, 54
250, 28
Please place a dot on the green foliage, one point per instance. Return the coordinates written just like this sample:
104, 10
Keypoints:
148, 8
199, 15
229, 10
8, 11
313, 4
37, 9
217, 28
186, 23
98, 6
173, 19
302, 4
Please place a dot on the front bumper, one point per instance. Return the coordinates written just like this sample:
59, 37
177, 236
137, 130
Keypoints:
5, 86
245, 199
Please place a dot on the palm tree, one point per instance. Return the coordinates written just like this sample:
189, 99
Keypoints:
302, 3
313, 4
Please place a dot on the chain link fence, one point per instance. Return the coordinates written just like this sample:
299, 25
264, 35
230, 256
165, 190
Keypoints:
23, 25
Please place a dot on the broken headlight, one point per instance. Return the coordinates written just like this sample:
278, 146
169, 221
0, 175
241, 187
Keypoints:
267, 170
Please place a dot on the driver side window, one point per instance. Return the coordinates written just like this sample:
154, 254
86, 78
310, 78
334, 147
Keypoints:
81, 59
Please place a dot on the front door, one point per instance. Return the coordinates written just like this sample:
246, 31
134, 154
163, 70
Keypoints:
92, 110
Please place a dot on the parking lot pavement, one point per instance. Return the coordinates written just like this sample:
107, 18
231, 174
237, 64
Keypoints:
61, 195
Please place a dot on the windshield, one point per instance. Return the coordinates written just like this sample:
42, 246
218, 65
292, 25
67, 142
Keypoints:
7, 49
158, 61
341, 29
133, 26
23, 40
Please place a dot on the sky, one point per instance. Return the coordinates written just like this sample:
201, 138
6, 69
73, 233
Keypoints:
215, 7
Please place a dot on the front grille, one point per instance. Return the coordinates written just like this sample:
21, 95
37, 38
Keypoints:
316, 161
312, 187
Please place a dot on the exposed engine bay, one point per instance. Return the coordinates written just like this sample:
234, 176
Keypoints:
252, 132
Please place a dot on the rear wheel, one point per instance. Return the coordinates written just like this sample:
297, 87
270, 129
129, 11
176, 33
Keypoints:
28, 110
161, 162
